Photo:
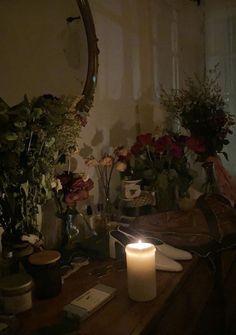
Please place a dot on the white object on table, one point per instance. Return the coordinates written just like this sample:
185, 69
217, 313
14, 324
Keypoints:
141, 271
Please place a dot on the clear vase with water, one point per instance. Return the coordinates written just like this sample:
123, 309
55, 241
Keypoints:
71, 229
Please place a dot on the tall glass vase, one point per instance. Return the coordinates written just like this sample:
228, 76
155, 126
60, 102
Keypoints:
107, 212
107, 209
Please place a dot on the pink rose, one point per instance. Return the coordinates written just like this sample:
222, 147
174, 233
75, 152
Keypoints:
72, 198
79, 184
121, 152
121, 166
106, 161
88, 184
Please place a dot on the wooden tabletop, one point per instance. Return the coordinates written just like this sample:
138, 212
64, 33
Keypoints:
121, 315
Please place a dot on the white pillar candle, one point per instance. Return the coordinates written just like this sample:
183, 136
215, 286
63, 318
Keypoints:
141, 271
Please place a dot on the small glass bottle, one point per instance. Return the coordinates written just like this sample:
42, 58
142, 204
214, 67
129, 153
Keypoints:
71, 229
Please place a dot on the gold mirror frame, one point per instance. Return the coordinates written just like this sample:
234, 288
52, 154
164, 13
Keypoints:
86, 102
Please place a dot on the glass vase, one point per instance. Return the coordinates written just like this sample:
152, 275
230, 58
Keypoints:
71, 231
107, 214
166, 198
108, 209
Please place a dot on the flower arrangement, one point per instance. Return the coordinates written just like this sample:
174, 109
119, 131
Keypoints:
105, 167
70, 189
34, 137
159, 161
202, 111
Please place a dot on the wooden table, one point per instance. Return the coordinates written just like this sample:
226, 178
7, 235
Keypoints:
180, 300
185, 301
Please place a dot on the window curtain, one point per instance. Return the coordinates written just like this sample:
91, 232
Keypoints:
220, 32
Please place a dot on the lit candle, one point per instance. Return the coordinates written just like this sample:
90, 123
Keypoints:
141, 271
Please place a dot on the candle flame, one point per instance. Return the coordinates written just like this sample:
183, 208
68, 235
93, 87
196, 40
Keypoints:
140, 245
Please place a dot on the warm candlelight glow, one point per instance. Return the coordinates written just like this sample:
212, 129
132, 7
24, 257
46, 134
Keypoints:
141, 271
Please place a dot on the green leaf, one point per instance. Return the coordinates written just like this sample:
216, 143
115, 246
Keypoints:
11, 136
37, 113
25, 187
50, 142
43, 181
21, 124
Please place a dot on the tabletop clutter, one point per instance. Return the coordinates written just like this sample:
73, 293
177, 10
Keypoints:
42, 278
143, 251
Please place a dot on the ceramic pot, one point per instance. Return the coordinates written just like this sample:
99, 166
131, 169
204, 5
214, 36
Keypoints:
131, 189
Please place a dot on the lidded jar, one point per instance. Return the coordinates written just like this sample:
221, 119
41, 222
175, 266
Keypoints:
16, 293
45, 270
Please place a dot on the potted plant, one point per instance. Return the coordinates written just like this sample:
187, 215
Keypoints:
202, 111
34, 137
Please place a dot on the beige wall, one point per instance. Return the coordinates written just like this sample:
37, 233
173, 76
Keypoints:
143, 44
40, 52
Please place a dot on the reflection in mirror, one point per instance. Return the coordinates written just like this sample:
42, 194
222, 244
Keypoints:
41, 50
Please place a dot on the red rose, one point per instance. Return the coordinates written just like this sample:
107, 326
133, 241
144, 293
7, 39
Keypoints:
136, 148
163, 143
176, 151
195, 144
145, 139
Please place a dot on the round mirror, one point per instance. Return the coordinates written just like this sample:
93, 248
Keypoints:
47, 47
